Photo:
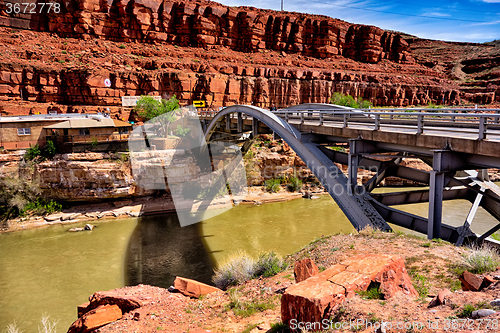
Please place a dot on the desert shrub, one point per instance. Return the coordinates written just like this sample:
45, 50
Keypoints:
50, 149
349, 101
35, 153
466, 311
481, 259
32, 153
373, 292
294, 184
48, 325
238, 269
41, 207
15, 195
269, 264
12, 328
279, 328
272, 185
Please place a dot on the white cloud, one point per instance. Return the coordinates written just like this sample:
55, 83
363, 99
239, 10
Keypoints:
436, 14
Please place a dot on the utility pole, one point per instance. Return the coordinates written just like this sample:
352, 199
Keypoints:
281, 5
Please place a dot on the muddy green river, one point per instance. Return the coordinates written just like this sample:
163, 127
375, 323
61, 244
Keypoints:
51, 271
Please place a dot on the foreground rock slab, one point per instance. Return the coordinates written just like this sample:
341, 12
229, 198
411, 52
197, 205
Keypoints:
100, 316
320, 296
192, 288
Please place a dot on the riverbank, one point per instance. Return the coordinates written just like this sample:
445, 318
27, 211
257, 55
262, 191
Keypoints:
149, 205
254, 306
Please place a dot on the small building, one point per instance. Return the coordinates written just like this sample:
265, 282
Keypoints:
93, 133
22, 132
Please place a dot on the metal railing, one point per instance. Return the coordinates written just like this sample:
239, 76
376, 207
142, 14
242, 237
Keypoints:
450, 120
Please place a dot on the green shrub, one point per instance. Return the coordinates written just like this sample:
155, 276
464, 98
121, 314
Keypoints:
466, 311
32, 153
94, 143
272, 185
50, 149
237, 269
279, 328
349, 101
295, 184
41, 207
122, 46
373, 292
481, 259
269, 264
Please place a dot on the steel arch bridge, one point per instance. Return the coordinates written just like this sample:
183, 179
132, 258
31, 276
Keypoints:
240, 124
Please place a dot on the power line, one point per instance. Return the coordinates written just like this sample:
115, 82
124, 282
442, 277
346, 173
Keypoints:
394, 13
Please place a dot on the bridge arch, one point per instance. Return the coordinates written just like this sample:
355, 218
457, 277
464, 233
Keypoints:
357, 208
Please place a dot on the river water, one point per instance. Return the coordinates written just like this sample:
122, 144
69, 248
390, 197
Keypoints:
52, 271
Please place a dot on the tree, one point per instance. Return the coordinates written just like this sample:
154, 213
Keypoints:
162, 111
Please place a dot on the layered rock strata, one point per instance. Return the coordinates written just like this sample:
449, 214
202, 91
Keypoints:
206, 23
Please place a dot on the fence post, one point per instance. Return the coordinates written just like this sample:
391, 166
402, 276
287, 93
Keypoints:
420, 124
482, 127
286, 116
302, 117
377, 122
345, 120
320, 118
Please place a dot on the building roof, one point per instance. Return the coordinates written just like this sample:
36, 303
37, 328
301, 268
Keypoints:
89, 123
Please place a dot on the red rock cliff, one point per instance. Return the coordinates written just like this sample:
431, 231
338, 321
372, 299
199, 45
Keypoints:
202, 50
206, 23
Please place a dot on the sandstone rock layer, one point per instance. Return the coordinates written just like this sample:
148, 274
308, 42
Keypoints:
319, 296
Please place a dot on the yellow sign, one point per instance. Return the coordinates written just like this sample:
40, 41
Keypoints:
199, 104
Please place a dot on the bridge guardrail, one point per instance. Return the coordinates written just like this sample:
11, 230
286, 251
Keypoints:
421, 120
451, 118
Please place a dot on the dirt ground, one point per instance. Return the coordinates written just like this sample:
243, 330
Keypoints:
432, 265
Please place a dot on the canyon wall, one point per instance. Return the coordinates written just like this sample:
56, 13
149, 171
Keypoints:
206, 23
219, 86
201, 50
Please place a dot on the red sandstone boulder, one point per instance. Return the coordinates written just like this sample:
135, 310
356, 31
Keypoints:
193, 288
319, 296
304, 269
470, 282
440, 298
100, 316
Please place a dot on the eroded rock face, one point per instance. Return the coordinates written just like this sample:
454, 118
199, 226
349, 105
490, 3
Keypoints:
205, 24
319, 296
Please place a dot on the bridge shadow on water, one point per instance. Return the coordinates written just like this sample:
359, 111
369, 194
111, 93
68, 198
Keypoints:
160, 249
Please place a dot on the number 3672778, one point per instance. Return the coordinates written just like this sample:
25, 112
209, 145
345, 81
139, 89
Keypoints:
33, 8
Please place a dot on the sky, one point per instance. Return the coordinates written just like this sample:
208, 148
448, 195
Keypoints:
461, 21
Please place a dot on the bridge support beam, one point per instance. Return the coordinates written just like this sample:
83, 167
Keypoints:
435, 204
443, 161
255, 127
239, 123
